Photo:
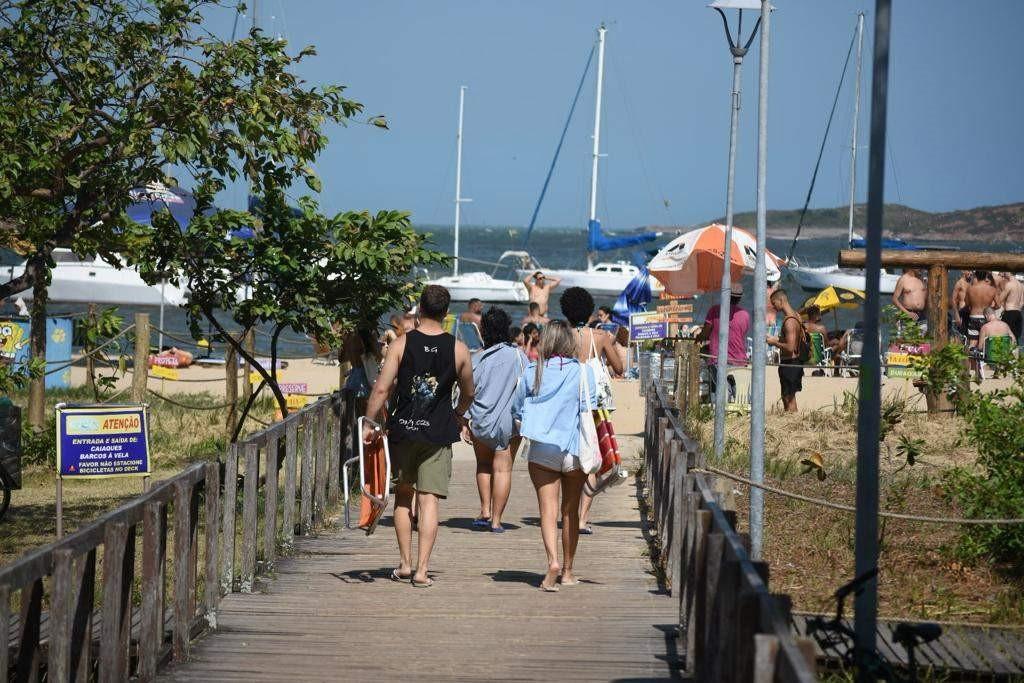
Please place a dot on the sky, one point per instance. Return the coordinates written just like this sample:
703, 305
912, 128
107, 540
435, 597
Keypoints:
955, 107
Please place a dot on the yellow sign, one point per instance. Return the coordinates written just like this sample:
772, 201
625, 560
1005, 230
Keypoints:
256, 378
676, 308
11, 338
895, 358
295, 401
163, 373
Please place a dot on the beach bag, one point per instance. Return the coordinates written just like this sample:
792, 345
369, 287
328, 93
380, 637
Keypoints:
610, 472
603, 379
589, 448
374, 479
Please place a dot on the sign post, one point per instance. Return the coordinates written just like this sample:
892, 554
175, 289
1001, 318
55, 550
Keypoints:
96, 441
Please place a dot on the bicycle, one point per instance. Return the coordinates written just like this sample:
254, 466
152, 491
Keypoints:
832, 634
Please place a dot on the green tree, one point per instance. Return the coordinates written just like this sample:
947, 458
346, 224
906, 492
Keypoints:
96, 96
301, 270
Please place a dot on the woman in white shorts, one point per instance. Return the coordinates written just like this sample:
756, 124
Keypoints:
547, 403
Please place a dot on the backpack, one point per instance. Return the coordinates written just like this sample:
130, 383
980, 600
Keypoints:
803, 344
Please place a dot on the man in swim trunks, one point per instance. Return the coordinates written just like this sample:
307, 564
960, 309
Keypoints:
788, 342
540, 287
980, 295
911, 296
1011, 300
957, 301
473, 313
534, 316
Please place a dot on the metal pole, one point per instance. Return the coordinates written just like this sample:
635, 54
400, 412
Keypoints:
760, 278
856, 120
869, 398
721, 396
596, 155
458, 178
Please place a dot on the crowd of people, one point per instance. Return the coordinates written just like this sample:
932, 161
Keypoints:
528, 382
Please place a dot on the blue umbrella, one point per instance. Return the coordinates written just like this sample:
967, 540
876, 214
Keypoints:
634, 297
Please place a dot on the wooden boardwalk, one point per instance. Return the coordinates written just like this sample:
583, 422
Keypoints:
331, 613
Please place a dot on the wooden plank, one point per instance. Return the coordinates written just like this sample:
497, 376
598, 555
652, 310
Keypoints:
183, 588
725, 606
959, 260
306, 493
230, 503
59, 648
82, 620
154, 557
698, 601
336, 412
713, 561
270, 505
320, 476
290, 475
29, 652
983, 646
211, 521
766, 650
250, 521
118, 576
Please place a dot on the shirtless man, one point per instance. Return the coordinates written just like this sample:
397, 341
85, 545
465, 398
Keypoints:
473, 313
788, 342
540, 288
1011, 300
813, 323
534, 316
911, 296
958, 300
980, 295
994, 327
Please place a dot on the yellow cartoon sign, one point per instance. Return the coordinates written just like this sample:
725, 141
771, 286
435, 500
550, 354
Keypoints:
11, 339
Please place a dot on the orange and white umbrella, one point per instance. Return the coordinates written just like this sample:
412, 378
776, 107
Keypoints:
693, 262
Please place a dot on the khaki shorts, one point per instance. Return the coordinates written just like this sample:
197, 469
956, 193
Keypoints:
425, 466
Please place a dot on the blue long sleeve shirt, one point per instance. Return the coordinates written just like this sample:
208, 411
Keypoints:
553, 415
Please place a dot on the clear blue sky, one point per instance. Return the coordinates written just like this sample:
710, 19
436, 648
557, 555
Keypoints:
955, 111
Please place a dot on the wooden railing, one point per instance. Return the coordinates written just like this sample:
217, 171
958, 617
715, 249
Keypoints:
730, 627
79, 613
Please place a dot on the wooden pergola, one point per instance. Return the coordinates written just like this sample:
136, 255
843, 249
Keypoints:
937, 263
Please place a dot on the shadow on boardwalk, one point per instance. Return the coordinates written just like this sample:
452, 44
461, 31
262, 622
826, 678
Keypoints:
333, 613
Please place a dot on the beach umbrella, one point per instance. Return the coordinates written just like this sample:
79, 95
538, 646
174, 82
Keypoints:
634, 298
693, 262
833, 297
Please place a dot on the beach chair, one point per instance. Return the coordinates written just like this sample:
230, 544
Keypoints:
739, 391
470, 335
374, 478
821, 354
449, 323
994, 348
850, 358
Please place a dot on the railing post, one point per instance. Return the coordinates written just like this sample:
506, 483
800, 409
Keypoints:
247, 576
270, 505
747, 625
140, 366
211, 515
306, 494
183, 584
154, 557
707, 653
288, 506
676, 522
118, 577
59, 662
320, 474
230, 504
692, 379
336, 412
29, 651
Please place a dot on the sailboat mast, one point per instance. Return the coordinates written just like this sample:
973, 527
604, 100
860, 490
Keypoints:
597, 128
458, 179
856, 118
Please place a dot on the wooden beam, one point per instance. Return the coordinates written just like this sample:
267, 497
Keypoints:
960, 260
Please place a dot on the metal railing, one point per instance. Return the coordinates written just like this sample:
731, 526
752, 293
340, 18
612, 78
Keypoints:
103, 622
731, 628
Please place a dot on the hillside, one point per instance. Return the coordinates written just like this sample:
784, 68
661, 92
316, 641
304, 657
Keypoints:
1003, 223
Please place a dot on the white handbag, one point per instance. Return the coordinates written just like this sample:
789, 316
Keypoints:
603, 379
589, 450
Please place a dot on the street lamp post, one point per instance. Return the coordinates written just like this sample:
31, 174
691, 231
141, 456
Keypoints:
738, 49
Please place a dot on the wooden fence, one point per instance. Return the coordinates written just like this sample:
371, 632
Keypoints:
80, 613
730, 627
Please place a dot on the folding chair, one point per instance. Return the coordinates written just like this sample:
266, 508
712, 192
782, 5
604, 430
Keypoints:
854, 351
821, 354
374, 477
994, 346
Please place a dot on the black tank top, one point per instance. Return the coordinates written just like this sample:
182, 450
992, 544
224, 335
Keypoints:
423, 397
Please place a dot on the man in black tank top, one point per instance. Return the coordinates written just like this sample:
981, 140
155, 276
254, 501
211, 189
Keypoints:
427, 362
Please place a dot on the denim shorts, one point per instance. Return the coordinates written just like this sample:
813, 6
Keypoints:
551, 457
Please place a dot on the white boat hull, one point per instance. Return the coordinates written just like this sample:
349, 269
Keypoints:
818, 278
484, 287
598, 283
99, 282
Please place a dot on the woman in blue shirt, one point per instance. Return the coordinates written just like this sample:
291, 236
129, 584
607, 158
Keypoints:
547, 404
496, 370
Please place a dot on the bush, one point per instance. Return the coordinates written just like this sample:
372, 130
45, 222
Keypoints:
39, 448
995, 488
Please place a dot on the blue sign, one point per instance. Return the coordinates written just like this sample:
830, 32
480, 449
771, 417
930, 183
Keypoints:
647, 326
102, 441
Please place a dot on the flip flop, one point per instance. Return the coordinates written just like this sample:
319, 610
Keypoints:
586, 531
421, 584
398, 578
497, 529
481, 522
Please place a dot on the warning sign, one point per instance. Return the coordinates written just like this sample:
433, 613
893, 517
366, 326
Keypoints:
102, 441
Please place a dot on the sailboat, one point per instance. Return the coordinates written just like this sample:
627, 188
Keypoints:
814, 278
603, 278
474, 285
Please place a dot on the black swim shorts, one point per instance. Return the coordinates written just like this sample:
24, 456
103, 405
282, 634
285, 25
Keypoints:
791, 376
974, 323
1016, 322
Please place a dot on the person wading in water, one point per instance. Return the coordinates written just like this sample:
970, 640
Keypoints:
427, 362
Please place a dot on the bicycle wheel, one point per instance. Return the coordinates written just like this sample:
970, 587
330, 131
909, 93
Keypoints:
5, 493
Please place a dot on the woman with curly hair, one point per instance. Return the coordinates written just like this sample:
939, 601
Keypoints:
496, 372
